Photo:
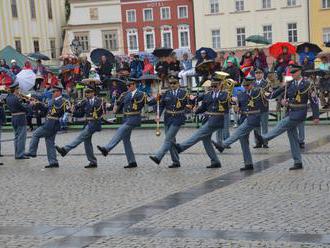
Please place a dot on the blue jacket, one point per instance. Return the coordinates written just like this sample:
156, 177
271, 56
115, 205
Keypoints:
264, 85
92, 112
2, 115
250, 104
131, 107
214, 108
55, 110
16, 105
171, 103
298, 96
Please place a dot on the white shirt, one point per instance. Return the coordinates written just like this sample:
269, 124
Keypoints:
133, 92
91, 101
58, 98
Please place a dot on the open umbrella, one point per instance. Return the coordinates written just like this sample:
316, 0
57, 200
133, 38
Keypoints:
38, 55
97, 53
26, 79
258, 39
152, 58
277, 48
312, 48
180, 51
211, 54
148, 77
162, 52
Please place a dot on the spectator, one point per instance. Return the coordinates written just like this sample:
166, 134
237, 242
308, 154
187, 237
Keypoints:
148, 67
85, 67
14, 67
232, 58
260, 61
4, 64
40, 71
5, 79
187, 70
306, 54
219, 62
93, 74
51, 79
105, 69
282, 62
324, 65
136, 67
306, 65
233, 71
247, 64
174, 65
203, 74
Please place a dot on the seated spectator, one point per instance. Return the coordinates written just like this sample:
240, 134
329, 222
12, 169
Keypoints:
232, 58
187, 70
306, 54
260, 61
14, 67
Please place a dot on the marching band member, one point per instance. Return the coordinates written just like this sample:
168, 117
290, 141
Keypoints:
56, 109
92, 108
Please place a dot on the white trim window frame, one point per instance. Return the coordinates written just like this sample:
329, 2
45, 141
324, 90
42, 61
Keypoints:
293, 32
239, 5
216, 38
168, 10
183, 29
325, 4
147, 33
186, 11
291, 3
240, 36
132, 37
326, 34
129, 15
267, 31
214, 6
266, 4
151, 17
167, 30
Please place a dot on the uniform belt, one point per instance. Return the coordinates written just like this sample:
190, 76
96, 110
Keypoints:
174, 112
291, 105
251, 112
215, 113
18, 113
53, 118
92, 119
132, 113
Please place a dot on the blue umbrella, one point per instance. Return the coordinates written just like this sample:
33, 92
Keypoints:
211, 54
152, 58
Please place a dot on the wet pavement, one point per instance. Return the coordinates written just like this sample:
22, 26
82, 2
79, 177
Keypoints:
153, 206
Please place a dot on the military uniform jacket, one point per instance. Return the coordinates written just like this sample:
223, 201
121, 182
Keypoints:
132, 106
174, 104
16, 106
93, 111
2, 115
250, 104
264, 85
55, 110
214, 107
298, 96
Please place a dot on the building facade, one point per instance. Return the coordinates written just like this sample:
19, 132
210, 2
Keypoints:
32, 25
95, 24
225, 24
149, 24
320, 22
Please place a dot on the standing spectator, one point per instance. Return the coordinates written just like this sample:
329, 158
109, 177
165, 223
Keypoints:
162, 68
148, 67
247, 64
174, 66
14, 67
260, 61
306, 54
282, 62
203, 74
187, 70
233, 71
40, 71
85, 67
136, 67
3, 64
231, 56
219, 61
105, 69
324, 65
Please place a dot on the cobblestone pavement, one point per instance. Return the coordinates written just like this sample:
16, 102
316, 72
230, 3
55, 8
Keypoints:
272, 208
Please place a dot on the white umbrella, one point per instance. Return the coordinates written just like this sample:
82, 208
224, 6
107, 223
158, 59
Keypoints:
26, 80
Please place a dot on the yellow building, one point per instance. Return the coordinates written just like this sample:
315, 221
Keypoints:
320, 22
32, 25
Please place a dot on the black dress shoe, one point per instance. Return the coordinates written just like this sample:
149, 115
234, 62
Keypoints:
302, 145
155, 159
30, 155
265, 146
61, 151
1, 163
297, 166
103, 150
218, 165
23, 157
91, 165
130, 165
257, 146
52, 166
218, 146
174, 165
177, 147
247, 167
1, 155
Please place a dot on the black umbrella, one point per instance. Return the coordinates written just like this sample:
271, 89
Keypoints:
149, 77
162, 52
38, 55
97, 53
312, 48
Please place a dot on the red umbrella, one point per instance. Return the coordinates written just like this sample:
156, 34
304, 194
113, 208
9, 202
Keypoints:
277, 48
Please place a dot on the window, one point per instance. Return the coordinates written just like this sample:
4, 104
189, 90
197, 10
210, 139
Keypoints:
326, 35
214, 6
266, 4
52, 43
268, 33
94, 13
239, 5
131, 15
184, 36
18, 45
14, 12
33, 9
291, 3
83, 39
49, 9
132, 40
36, 46
149, 38
110, 40
292, 32
240, 37
147, 15
165, 13
216, 42
325, 4
182, 12
166, 32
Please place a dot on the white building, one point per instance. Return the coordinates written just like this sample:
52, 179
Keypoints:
95, 24
224, 24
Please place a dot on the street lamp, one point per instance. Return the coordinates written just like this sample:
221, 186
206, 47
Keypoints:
76, 47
